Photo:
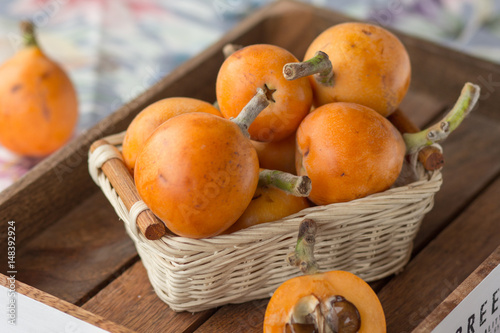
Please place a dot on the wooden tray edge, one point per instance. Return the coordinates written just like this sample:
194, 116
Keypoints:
65, 307
452, 301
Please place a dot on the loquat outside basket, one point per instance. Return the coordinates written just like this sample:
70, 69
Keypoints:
371, 237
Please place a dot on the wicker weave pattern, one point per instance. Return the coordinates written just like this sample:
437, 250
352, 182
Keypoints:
371, 237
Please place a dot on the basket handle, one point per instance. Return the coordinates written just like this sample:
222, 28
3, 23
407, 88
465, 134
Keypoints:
123, 183
431, 157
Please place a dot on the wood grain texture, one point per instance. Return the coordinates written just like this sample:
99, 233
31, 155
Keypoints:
443, 264
65, 307
460, 293
472, 155
78, 253
131, 301
441, 72
247, 317
422, 108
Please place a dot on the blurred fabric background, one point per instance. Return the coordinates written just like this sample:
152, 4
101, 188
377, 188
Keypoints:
115, 49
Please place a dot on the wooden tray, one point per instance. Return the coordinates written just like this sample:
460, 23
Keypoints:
70, 244
489, 310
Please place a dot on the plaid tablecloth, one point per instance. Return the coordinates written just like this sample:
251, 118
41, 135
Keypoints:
115, 49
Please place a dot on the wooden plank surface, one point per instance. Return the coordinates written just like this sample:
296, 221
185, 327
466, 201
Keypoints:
460, 293
472, 161
131, 301
443, 264
63, 306
422, 108
246, 317
78, 253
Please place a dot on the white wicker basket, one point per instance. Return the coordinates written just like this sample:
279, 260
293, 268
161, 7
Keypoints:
371, 237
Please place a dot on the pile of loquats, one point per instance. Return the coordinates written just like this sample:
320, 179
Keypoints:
282, 136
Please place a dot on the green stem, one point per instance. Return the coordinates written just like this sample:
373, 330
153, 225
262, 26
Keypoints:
299, 186
303, 256
320, 66
254, 107
28, 32
440, 131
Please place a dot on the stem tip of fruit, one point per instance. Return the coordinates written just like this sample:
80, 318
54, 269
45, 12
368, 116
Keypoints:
320, 66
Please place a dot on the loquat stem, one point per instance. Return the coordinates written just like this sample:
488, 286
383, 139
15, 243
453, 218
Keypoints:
320, 66
299, 186
28, 32
253, 108
303, 256
440, 131
230, 48
431, 157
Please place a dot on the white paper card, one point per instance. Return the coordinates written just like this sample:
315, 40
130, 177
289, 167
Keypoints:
33, 316
478, 312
